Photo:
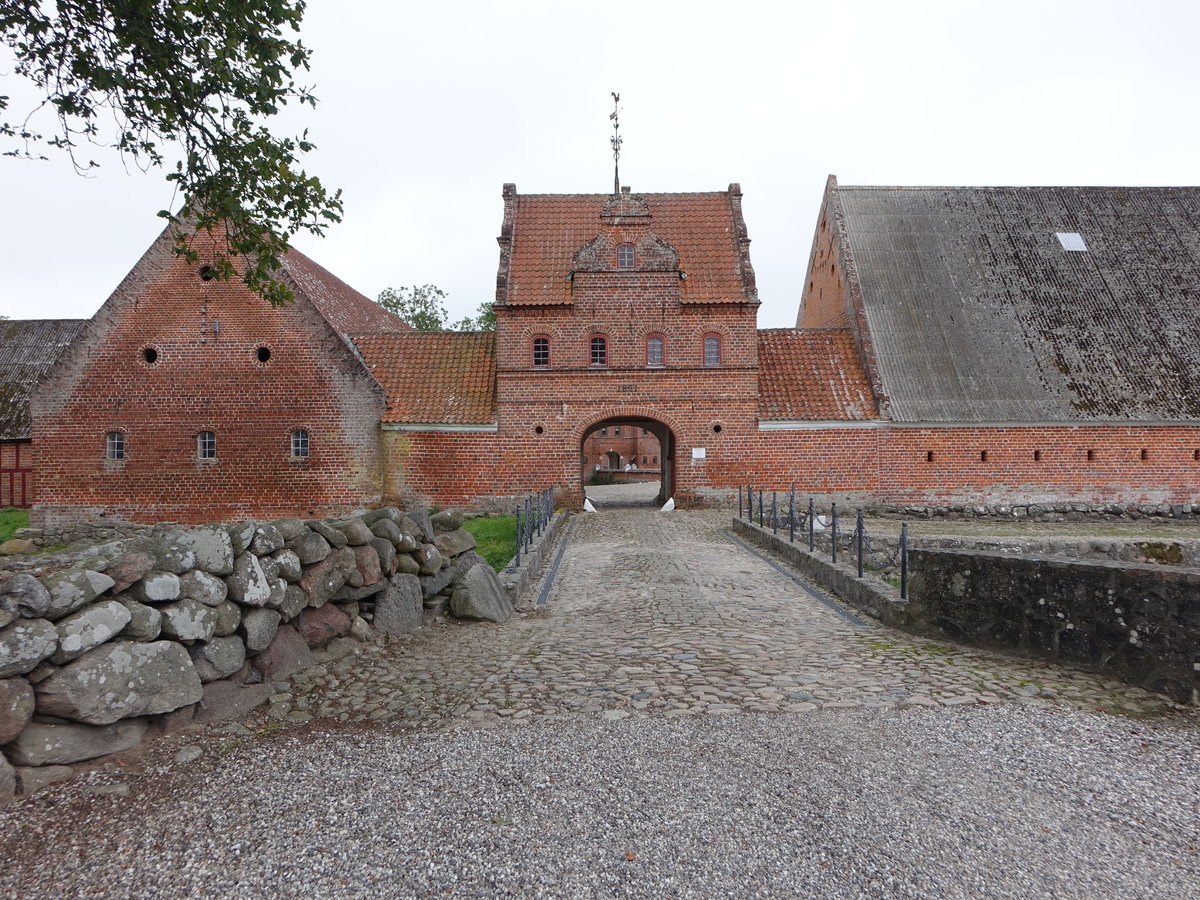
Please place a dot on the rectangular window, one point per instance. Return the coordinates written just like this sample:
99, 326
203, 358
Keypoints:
300, 444
541, 351
599, 351
712, 350
616, 432
114, 447
206, 445
654, 351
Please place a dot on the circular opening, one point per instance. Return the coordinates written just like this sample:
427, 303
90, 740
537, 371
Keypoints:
263, 354
150, 355
717, 429
538, 430
207, 273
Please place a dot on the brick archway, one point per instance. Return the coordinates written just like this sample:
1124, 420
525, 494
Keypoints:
624, 447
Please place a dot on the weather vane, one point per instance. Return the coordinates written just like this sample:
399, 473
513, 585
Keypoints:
616, 142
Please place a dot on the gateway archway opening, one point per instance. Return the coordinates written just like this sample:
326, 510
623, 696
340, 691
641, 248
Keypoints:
628, 461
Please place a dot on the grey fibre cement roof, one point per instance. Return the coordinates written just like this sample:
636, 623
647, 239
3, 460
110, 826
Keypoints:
977, 313
28, 347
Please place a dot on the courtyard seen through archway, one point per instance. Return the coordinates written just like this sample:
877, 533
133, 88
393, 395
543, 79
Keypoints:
627, 461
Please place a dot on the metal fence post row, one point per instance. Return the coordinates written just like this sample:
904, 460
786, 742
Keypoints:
859, 536
903, 560
833, 530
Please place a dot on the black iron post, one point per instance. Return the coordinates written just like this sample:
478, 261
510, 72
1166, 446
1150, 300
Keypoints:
520, 539
792, 515
833, 530
860, 543
750, 503
774, 513
811, 522
739, 501
903, 560
760, 508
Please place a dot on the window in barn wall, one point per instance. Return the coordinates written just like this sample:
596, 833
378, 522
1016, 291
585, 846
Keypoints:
599, 351
541, 351
625, 256
114, 445
206, 445
712, 350
300, 444
654, 350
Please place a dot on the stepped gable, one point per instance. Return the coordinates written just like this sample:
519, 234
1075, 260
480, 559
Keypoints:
434, 377
342, 306
28, 348
811, 374
978, 312
543, 232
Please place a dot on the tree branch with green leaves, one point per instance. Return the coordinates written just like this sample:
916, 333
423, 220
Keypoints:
201, 76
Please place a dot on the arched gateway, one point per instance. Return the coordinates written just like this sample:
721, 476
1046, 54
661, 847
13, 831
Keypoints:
626, 448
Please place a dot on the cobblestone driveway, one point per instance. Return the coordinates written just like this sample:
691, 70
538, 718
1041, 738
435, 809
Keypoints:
662, 614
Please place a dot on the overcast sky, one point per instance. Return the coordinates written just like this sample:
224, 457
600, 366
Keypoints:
428, 108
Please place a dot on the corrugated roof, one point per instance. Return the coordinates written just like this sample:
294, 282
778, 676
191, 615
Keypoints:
28, 347
811, 374
977, 312
549, 228
342, 306
438, 377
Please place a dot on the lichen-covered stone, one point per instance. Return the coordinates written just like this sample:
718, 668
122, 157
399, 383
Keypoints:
156, 587
366, 560
320, 626
200, 585
145, 622
429, 559
73, 588
453, 543
479, 595
119, 680
334, 536
24, 644
24, 596
287, 655
225, 701
229, 617
259, 627
290, 527
386, 551
172, 550
44, 745
219, 658
388, 530
211, 548
447, 520
295, 600
406, 564
240, 536
248, 585
356, 531
310, 548
287, 564
129, 568
16, 707
188, 620
322, 580
398, 608
267, 539
89, 627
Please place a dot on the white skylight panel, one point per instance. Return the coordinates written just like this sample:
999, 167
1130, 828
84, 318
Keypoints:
1071, 240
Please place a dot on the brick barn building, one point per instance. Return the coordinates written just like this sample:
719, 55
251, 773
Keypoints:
1004, 347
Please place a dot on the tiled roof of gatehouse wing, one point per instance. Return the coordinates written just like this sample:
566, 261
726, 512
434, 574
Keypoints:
347, 310
549, 228
811, 374
28, 348
434, 377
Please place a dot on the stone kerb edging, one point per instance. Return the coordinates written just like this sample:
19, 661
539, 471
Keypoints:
148, 633
518, 581
871, 595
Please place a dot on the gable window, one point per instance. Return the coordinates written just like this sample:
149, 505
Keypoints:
712, 350
300, 443
617, 431
541, 351
625, 256
654, 350
206, 445
599, 351
114, 445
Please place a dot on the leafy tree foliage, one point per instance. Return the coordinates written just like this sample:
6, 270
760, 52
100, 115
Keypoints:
200, 75
424, 308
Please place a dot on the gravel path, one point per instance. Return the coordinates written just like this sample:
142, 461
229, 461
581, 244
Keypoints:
981, 802
681, 721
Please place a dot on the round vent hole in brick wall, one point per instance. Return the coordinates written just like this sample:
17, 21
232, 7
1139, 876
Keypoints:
263, 354
716, 429
207, 273
538, 430
150, 355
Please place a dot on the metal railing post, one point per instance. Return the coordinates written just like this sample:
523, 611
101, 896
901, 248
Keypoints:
903, 560
520, 538
792, 515
760, 508
774, 513
811, 522
833, 530
750, 503
860, 543
739, 501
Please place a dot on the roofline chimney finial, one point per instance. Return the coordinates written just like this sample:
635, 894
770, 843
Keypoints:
616, 143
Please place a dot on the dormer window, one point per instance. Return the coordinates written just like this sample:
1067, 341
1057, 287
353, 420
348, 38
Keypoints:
625, 256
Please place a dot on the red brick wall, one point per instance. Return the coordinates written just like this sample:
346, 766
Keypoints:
824, 303
207, 377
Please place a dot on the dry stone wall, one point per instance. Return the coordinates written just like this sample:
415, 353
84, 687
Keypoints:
145, 633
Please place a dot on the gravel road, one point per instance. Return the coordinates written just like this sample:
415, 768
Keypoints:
998, 801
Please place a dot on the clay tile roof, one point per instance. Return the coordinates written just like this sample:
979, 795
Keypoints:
434, 377
549, 228
811, 374
27, 349
343, 307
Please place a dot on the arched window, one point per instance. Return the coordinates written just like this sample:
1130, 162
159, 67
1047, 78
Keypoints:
599, 350
300, 443
541, 351
206, 445
114, 445
625, 256
654, 350
712, 350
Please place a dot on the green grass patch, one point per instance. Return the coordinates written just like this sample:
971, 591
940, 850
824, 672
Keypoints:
10, 520
496, 537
